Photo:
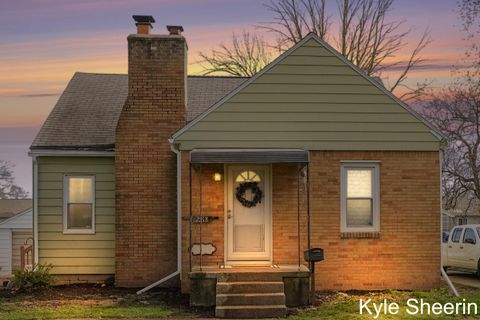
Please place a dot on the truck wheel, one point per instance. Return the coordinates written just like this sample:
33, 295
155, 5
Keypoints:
478, 269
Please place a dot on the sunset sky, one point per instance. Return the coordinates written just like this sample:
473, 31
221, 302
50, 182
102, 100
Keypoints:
43, 42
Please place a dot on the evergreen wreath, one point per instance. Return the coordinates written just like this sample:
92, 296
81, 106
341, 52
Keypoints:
256, 191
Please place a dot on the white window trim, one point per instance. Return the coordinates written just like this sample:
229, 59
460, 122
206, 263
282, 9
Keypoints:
66, 230
374, 165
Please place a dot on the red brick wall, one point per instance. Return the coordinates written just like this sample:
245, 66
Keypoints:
145, 166
212, 205
406, 255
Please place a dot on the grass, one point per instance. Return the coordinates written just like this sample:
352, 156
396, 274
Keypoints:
93, 302
72, 310
345, 306
67, 303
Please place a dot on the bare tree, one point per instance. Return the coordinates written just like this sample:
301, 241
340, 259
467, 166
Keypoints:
293, 19
244, 56
470, 14
8, 188
456, 112
366, 37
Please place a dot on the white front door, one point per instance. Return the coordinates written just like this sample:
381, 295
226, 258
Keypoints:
249, 224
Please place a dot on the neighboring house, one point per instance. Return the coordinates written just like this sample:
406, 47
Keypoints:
10, 207
15, 231
466, 211
220, 180
448, 221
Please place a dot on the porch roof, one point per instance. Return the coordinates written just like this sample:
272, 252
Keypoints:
249, 156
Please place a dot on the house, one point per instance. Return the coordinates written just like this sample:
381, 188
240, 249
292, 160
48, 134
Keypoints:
15, 232
465, 211
219, 184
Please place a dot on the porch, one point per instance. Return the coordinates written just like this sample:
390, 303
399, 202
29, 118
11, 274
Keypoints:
246, 223
240, 292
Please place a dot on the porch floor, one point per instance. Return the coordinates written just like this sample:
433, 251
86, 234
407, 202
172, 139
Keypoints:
285, 269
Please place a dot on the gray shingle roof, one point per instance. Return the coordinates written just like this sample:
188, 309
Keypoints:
11, 207
87, 112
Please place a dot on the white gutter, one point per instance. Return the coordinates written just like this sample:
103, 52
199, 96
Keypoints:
179, 223
35, 208
443, 273
66, 153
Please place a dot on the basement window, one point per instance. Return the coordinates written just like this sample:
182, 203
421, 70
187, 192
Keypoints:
79, 205
360, 205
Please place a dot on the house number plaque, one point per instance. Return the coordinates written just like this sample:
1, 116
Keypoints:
202, 219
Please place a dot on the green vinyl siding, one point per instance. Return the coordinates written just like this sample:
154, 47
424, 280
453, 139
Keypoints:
311, 99
76, 253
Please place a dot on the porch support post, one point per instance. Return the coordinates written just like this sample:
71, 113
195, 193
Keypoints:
201, 212
298, 213
311, 297
309, 245
191, 216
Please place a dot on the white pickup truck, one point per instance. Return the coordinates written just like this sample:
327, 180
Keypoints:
462, 251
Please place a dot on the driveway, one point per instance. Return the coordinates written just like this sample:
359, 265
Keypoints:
466, 279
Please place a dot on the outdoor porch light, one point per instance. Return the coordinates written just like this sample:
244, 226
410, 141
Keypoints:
217, 176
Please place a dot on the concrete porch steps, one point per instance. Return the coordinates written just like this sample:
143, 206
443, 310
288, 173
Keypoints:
238, 298
246, 312
250, 287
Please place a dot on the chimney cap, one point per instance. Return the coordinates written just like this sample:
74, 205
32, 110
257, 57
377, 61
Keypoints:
143, 19
175, 29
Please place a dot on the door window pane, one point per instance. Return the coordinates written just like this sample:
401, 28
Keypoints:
456, 235
469, 236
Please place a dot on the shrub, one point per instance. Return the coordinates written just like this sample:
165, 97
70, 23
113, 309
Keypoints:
29, 280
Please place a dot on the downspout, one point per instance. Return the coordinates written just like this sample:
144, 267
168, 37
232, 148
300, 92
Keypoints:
179, 223
442, 271
35, 208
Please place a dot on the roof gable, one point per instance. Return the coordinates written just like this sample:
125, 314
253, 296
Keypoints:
310, 97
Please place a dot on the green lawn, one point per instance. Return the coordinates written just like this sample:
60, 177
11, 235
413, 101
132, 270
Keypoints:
68, 304
12, 311
345, 306
93, 302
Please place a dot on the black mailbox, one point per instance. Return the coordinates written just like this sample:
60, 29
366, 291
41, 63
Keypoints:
313, 255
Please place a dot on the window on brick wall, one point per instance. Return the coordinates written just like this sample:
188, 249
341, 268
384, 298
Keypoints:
79, 204
360, 193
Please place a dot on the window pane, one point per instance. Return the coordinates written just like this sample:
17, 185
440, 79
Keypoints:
80, 189
79, 216
359, 183
469, 235
248, 176
359, 213
456, 235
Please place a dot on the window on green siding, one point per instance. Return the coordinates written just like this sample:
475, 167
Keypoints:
360, 197
79, 204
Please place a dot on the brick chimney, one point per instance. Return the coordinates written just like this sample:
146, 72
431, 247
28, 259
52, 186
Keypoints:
146, 226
